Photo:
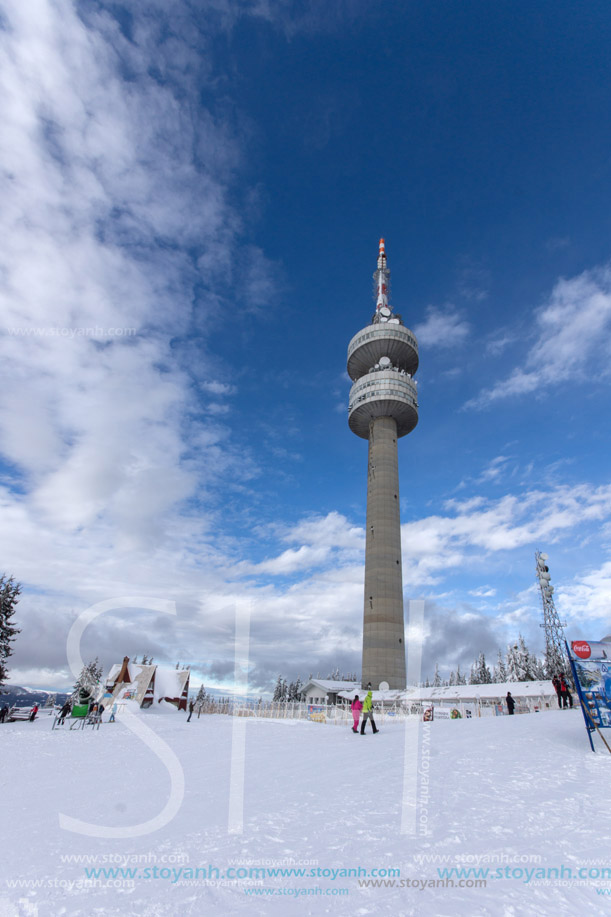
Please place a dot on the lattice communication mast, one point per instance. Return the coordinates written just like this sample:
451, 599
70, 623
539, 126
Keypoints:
555, 652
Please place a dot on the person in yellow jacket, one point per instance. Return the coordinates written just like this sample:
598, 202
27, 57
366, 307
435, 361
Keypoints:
368, 714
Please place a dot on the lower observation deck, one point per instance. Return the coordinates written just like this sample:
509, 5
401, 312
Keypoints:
384, 393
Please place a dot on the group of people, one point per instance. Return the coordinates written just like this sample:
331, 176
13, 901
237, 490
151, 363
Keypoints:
367, 710
565, 698
5, 710
95, 710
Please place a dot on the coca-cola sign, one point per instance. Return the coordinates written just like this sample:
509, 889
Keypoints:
581, 649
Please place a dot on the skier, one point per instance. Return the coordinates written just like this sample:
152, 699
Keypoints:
510, 703
191, 706
356, 707
368, 714
113, 713
33, 713
3, 714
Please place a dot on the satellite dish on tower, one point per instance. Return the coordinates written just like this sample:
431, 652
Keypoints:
384, 361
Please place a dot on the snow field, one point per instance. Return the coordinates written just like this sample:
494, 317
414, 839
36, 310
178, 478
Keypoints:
500, 791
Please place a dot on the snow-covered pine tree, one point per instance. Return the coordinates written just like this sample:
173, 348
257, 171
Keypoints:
483, 672
513, 665
9, 592
88, 680
522, 665
281, 690
474, 676
437, 677
200, 700
460, 678
533, 667
294, 690
452, 680
500, 672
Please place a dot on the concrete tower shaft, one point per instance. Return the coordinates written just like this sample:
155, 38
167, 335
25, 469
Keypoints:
383, 626
383, 406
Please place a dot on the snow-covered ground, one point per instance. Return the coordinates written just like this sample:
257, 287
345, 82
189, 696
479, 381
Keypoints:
515, 795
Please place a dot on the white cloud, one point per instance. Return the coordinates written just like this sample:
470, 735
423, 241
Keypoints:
442, 328
572, 339
588, 598
99, 173
495, 469
441, 543
219, 388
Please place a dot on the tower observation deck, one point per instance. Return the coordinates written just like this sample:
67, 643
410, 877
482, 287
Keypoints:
383, 406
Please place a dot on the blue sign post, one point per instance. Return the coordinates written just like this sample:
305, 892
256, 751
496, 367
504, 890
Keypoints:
591, 668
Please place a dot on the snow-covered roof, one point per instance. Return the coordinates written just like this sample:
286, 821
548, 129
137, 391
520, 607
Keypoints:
387, 696
330, 686
170, 682
114, 671
472, 692
458, 692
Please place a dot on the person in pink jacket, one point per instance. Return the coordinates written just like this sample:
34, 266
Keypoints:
356, 707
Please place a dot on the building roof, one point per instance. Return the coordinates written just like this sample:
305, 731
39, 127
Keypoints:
330, 686
483, 692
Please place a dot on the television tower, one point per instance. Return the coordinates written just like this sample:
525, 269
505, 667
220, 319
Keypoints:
382, 359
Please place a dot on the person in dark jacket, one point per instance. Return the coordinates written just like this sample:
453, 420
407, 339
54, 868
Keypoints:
556, 684
510, 703
3, 714
64, 712
368, 714
191, 708
565, 694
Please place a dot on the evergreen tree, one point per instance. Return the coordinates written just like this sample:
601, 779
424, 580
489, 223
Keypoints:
500, 672
88, 680
281, 690
9, 592
294, 691
483, 672
513, 663
452, 680
200, 700
437, 677
460, 678
522, 665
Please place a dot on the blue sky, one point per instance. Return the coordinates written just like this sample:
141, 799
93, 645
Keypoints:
203, 188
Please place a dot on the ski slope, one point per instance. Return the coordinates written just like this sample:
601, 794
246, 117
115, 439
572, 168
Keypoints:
504, 793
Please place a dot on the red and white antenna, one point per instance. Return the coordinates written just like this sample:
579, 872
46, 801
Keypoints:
381, 278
